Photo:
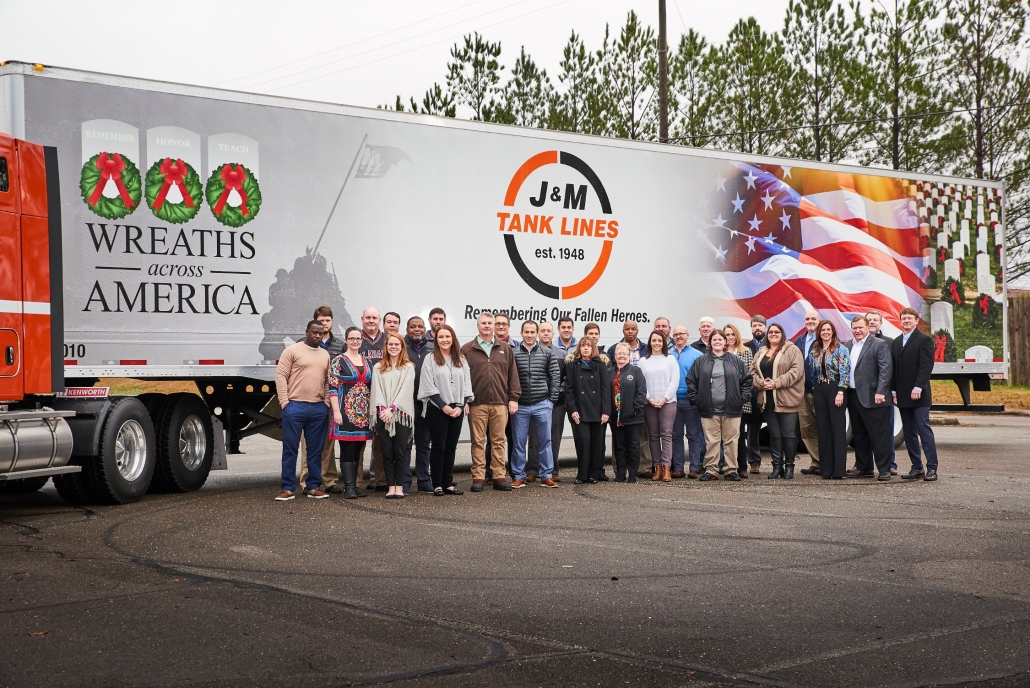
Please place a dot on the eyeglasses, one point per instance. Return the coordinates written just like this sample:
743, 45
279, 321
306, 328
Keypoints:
353, 339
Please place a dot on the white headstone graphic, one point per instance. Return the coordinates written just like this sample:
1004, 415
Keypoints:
942, 239
958, 250
985, 284
942, 317
979, 214
999, 234
964, 233
951, 269
994, 216
174, 143
983, 263
980, 354
111, 136
930, 259
981, 244
232, 148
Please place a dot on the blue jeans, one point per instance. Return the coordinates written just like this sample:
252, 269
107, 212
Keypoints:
311, 419
688, 418
537, 416
915, 423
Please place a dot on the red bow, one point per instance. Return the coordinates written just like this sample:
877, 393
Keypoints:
174, 173
940, 344
985, 304
233, 179
111, 167
942, 254
955, 295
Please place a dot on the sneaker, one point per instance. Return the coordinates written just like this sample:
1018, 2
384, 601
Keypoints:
315, 494
334, 489
708, 477
284, 496
477, 485
547, 482
516, 484
503, 485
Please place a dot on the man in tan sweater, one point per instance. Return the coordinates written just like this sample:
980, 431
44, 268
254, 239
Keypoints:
302, 385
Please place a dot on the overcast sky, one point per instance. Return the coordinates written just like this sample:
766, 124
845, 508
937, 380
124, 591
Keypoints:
344, 51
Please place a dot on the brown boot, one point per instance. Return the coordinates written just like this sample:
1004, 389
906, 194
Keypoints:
667, 474
656, 474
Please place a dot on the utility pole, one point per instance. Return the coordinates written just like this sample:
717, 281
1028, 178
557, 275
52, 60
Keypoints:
663, 76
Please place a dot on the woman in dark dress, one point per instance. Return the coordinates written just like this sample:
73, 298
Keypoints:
350, 376
588, 398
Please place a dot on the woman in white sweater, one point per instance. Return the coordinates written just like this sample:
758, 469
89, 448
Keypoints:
662, 375
393, 407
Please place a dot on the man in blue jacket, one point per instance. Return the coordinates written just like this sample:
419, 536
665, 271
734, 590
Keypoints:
687, 415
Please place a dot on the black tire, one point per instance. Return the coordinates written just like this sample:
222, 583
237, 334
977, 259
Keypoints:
129, 419
22, 487
74, 488
155, 403
182, 463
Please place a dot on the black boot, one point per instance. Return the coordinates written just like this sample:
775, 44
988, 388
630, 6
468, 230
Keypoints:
349, 469
776, 449
790, 447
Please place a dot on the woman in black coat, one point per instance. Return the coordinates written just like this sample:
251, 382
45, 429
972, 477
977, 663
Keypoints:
588, 398
629, 396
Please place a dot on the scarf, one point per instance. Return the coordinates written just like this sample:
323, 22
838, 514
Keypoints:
394, 390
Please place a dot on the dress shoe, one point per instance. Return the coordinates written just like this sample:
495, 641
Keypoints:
502, 485
453, 491
884, 478
870, 474
913, 475
334, 489
315, 494
530, 478
931, 475
894, 471
516, 484
547, 482
692, 475
679, 474
580, 482
555, 477
603, 478
756, 468
732, 476
590, 481
811, 470
477, 485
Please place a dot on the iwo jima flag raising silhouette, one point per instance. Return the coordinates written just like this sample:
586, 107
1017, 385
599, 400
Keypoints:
312, 281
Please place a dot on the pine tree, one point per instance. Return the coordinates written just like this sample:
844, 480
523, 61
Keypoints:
629, 75
576, 106
694, 90
523, 100
752, 74
830, 85
473, 73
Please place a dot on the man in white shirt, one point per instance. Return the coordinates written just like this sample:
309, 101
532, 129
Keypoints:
868, 407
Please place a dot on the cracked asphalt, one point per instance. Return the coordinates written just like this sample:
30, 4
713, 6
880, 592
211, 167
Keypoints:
759, 583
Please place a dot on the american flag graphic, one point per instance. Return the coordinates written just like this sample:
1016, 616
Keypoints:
784, 240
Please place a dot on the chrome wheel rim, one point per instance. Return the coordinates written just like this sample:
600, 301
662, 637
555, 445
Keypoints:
192, 443
130, 450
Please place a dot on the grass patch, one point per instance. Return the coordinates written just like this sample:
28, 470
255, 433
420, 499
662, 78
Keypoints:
1012, 396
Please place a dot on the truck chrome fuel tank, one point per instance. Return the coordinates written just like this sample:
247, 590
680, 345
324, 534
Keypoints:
33, 440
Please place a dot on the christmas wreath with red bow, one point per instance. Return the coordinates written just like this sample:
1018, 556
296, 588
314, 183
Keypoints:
229, 209
943, 346
116, 171
178, 179
986, 312
952, 291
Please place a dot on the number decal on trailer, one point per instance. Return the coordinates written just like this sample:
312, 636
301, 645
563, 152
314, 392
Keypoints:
74, 350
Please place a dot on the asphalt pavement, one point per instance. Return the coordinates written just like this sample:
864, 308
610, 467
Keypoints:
759, 583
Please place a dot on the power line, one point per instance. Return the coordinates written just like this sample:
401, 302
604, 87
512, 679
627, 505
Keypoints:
427, 45
841, 124
384, 47
349, 45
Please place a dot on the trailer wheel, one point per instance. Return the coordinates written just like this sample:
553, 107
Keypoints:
185, 444
128, 450
22, 487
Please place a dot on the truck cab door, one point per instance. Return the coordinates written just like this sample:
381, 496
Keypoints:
11, 348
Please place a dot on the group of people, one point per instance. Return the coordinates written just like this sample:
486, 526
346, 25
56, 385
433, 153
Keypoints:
415, 390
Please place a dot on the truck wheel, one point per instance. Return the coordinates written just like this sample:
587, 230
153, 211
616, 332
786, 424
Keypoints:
22, 487
74, 488
185, 444
128, 450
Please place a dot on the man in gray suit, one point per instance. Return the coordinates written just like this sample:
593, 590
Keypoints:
868, 405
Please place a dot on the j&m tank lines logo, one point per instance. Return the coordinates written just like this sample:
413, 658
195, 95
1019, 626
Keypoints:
555, 230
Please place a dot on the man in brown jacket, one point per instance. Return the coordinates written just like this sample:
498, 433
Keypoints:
495, 383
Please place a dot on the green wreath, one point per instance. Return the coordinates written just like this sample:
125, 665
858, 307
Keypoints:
97, 172
952, 292
986, 313
944, 347
221, 183
161, 177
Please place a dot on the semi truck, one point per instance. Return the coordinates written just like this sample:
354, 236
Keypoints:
161, 231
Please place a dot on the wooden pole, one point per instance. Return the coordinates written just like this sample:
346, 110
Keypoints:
663, 76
